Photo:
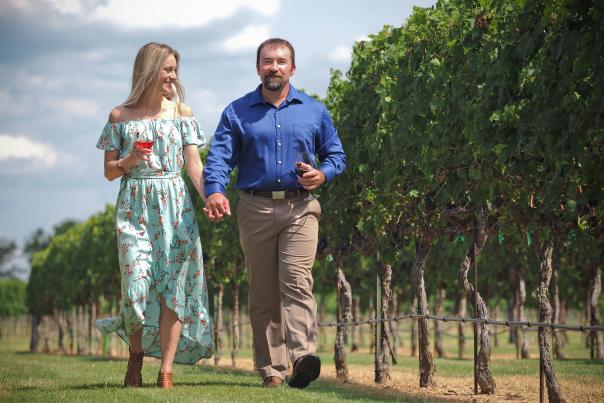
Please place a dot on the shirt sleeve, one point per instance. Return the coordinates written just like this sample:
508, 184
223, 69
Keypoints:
329, 148
191, 132
222, 156
110, 138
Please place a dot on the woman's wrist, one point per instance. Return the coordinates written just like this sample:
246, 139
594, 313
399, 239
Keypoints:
121, 167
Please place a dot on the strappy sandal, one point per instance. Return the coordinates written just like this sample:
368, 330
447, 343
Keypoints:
164, 380
134, 378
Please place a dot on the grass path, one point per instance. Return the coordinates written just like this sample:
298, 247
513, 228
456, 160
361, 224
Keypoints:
44, 377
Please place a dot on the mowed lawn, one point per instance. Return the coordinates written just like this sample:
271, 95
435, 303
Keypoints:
44, 377
41, 377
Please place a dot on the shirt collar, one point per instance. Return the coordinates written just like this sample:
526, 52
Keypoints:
292, 95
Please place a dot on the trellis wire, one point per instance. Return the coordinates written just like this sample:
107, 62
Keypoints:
508, 323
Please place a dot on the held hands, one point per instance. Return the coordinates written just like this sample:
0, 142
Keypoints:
217, 206
312, 179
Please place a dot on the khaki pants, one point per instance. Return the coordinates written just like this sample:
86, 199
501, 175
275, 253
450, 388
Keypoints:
279, 241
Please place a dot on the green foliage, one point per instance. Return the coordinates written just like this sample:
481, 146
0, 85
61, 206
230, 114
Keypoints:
77, 267
12, 297
470, 104
7, 248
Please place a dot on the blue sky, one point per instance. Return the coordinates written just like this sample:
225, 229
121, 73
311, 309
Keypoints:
66, 63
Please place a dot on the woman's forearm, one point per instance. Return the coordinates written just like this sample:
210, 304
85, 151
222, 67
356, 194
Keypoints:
118, 167
196, 174
114, 169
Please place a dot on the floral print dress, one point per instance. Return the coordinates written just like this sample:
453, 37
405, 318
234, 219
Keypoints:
158, 239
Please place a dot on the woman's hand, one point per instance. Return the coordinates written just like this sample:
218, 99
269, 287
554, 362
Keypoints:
217, 207
135, 157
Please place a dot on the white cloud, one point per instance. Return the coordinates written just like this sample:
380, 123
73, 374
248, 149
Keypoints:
177, 13
68, 6
341, 54
249, 38
22, 148
25, 6
72, 106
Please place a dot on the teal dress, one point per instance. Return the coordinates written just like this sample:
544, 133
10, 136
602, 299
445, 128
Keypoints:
158, 239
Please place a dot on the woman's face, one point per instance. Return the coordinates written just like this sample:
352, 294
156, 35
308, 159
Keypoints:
168, 75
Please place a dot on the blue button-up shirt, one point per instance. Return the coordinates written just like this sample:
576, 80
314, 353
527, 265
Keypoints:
265, 142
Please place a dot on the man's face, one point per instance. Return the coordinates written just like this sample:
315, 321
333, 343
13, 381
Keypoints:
275, 67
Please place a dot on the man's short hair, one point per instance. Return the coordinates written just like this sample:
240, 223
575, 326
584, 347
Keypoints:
276, 42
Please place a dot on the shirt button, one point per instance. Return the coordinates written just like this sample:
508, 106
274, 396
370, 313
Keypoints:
278, 144
278, 180
279, 162
278, 125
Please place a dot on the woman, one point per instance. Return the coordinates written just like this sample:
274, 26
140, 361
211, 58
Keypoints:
164, 309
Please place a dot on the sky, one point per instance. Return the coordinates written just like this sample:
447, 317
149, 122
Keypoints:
67, 63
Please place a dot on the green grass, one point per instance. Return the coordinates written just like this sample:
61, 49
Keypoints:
44, 377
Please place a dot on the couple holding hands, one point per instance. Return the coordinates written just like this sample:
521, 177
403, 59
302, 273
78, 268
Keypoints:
268, 135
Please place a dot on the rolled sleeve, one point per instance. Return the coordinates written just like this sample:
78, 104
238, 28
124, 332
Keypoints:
211, 188
222, 156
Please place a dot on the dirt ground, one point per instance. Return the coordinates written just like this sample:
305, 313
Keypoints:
405, 384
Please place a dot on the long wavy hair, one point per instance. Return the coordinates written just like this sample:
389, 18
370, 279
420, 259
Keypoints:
146, 73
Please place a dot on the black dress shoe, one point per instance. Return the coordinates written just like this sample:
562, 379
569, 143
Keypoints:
306, 369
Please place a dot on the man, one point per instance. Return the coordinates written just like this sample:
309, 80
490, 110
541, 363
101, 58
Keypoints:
267, 133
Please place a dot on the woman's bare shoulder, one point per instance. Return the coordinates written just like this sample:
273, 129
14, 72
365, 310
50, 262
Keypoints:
119, 114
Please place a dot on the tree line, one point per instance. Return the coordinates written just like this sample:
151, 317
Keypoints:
474, 136
482, 121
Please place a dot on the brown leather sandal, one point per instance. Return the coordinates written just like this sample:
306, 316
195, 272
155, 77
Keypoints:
134, 377
164, 380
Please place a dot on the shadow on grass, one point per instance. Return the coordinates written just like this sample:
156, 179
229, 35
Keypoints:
347, 391
100, 358
152, 385
93, 358
583, 361
241, 382
90, 386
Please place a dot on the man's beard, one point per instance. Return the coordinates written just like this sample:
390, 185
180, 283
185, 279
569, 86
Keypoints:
273, 83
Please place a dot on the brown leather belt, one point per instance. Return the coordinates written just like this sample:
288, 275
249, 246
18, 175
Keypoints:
277, 194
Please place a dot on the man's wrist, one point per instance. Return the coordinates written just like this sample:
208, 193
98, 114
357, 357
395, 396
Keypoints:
211, 188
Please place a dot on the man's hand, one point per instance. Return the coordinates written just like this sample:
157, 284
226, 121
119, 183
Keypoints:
312, 179
217, 206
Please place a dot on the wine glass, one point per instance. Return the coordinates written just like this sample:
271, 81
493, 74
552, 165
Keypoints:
145, 141
300, 171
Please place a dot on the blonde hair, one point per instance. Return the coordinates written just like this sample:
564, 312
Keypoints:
146, 73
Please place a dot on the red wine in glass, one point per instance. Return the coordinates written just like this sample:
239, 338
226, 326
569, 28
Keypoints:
146, 144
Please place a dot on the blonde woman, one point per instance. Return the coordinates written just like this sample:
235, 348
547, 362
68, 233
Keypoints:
164, 308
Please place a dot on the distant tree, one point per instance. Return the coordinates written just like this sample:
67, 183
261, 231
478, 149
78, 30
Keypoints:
36, 242
64, 226
7, 248
12, 297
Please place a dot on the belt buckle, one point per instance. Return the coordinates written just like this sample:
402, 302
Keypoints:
278, 195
